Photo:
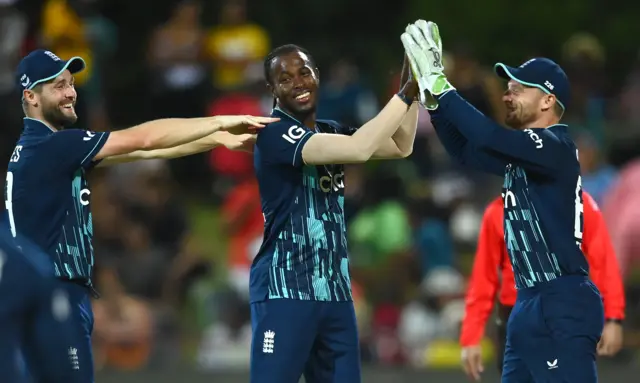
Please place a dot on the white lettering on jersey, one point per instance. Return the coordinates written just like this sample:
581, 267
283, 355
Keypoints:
83, 193
89, 136
293, 134
15, 157
509, 199
535, 137
335, 182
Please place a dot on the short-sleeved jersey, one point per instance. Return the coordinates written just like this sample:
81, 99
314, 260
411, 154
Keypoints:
304, 251
542, 190
47, 196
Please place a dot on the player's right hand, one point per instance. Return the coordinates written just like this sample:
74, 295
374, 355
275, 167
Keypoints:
243, 124
472, 362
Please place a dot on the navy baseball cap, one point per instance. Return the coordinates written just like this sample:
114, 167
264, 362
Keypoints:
41, 66
540, 73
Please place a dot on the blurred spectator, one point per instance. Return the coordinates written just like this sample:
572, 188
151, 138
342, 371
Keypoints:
597, 176
235, 45
621, 210
344, 97
13, 32
123, 326
475, 83
226, 344
243, 224
584, 60
435, 314
176, 61
630, 96
65, 33
230, 164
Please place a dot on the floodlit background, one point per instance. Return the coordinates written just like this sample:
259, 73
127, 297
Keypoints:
174, 240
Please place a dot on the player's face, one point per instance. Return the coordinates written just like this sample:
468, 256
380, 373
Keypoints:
295, 83
58, 100
523, 104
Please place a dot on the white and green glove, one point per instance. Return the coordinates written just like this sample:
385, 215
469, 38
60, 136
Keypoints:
423, 46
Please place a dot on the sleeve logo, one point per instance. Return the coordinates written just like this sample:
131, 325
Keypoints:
89, 136
293, 134
535, 137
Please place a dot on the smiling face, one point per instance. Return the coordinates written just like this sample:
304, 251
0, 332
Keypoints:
525, 104
294, 83
55, 101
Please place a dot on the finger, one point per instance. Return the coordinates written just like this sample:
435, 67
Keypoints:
262, 120
417, 35
409, 46
433, 35
477, 367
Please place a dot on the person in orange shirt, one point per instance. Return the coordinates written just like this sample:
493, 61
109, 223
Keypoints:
492, 271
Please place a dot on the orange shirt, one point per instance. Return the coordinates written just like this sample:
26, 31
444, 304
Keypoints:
492, 269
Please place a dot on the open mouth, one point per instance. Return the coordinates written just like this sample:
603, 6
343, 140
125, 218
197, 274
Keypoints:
68, 106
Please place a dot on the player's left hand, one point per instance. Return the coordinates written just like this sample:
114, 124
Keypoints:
611, 340
423, 46
408, 84
243, 124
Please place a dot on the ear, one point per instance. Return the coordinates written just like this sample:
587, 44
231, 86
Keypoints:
30, 97
547, 102
315, 69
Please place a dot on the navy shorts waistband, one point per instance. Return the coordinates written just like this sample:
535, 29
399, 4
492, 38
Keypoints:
558, 283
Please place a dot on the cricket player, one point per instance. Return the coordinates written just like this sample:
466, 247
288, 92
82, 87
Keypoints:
47, 197
301, 304
492, 273
34, 311
558, 317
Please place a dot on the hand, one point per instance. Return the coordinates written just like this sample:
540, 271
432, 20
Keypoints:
243, 124
241, 142
423, 47
472, 362
611, 340
408, 85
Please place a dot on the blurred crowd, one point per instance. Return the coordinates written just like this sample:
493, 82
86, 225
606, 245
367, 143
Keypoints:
175, 240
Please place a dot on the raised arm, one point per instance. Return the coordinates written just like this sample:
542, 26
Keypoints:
538, 150
400, 145
323, 148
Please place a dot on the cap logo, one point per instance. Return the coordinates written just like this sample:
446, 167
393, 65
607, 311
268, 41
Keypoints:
527, 63
25, 81
52, 55
549, 85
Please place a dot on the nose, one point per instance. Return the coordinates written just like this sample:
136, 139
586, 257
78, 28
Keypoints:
298, 82
70, 92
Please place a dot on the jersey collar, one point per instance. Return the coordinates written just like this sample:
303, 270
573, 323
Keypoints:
559, 127
277, 112
38, 126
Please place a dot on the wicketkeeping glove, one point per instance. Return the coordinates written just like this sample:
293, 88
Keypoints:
423, 46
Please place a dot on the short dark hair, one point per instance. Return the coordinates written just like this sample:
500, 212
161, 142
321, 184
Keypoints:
279, 51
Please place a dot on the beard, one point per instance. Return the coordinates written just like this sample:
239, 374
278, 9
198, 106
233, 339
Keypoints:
518, 118
53, 114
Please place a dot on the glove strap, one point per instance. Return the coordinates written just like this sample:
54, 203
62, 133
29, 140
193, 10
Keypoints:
404, 98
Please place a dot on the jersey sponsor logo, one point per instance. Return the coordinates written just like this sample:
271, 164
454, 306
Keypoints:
15, 157
84, 196
331, 182
294, 134
89, 136
509, 199
535, 137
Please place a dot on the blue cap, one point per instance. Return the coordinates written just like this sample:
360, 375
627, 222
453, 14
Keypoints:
41, 66
540, 73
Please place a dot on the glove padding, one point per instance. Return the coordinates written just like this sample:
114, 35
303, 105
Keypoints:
423, 46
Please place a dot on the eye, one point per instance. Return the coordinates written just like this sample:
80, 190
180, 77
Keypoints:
285, 80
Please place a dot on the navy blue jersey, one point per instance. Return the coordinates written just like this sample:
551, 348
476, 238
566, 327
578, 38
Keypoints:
47, 195
542, 191
304, 251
